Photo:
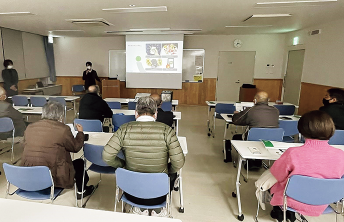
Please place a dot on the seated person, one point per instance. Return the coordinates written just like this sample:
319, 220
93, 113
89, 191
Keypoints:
147, 146
49, 142
334, 106
261, 115
92, 106
163, 117
316, 158
7, 110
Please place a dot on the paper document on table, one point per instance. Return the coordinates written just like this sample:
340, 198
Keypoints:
254, 150
282, 146
71, 126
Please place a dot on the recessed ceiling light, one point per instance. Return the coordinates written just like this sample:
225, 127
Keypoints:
151, 29
132, 5
295, 2
67, 31
270, 15
137, 9
16, 13
247, 26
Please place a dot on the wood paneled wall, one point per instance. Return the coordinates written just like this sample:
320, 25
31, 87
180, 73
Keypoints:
272, 86
311, 96
68, 81
23, 84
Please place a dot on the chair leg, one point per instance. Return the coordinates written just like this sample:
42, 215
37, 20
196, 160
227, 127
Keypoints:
256, 218
116, 198
12, 154
76, 197
52, 194
83, 182
8, 189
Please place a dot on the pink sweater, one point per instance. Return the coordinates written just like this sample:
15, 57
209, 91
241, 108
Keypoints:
315, 159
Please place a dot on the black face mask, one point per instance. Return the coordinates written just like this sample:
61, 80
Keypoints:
326, 102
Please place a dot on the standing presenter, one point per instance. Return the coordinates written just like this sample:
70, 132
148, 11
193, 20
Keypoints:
90, 76
10, 77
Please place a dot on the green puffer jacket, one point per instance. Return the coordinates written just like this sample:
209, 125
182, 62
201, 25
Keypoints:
147, 147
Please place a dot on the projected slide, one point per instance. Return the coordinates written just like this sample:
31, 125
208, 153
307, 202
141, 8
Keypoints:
154, 57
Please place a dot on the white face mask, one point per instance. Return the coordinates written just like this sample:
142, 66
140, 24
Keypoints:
9, 67
88, 67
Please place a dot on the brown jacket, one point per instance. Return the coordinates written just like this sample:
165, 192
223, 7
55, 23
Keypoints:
7, 110
260, 115
49, 143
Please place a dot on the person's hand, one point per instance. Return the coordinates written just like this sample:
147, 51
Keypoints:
236, 112
13, 87
79, 128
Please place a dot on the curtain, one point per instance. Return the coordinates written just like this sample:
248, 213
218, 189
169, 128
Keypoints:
49, 53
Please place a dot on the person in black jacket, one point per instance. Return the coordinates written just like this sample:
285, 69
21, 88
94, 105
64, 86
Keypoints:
10, 77
92, 106
163, 117
90, 75
334, 106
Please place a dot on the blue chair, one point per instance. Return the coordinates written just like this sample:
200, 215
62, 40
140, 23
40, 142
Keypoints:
166, 106
273, 134
20, 101
290, 129
131, 105
78, 89
93, 153
144, 186
221, 108
118, 120
6, 125
114, 105
35, 183
337, 138
90, 125
286, 109
38, 101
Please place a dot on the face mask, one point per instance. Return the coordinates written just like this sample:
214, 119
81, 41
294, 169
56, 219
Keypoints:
9, 67
88, 67
326, 102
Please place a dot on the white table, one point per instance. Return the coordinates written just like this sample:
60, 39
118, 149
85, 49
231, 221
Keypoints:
244, 153
29, 110
176, 118
101, 139
19, 211
175, 102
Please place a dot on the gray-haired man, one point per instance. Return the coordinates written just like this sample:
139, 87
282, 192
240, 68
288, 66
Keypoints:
147, 146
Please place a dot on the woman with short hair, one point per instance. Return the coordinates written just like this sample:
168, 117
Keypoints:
316, 158
10, 77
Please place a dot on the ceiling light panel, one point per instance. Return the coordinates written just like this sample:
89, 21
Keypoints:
15, 13
136, 9
270, 15
151, 29
297, 2
248, 26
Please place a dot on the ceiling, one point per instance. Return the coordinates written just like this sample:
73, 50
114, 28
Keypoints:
210, 16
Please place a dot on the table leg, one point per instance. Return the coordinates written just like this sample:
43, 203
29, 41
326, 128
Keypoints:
240, 214
224, 144
74, 105
208, 121
181, 197
177, 128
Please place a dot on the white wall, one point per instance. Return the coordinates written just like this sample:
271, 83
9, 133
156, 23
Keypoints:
71, 54
324, 54
269, 49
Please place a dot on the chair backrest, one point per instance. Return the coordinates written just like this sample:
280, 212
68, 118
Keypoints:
114, 105
6, 124
286, 109
142, 185
90, 125
337, 138
289, 127
118, 120
78, 88
273, 134
166, 106
38, 101
20, 100
28, 178
93, 153
315, 191
224, 108
59, 99
131, 105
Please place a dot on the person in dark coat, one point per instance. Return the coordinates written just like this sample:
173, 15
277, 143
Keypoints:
334, 106
90, 75
163, 117
10, 77
49, 142
92, 106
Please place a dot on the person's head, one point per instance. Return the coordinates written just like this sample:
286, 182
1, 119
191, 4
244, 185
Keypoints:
53, 111
8, 64
334, 95
146, 106
94, 89
89, 65
316, 125
2, 94
261, 97
157, 99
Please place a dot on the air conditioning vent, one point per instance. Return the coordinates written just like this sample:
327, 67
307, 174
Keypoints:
315, 32
99, 22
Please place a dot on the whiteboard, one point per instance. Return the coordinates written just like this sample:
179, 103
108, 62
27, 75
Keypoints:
193, 65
